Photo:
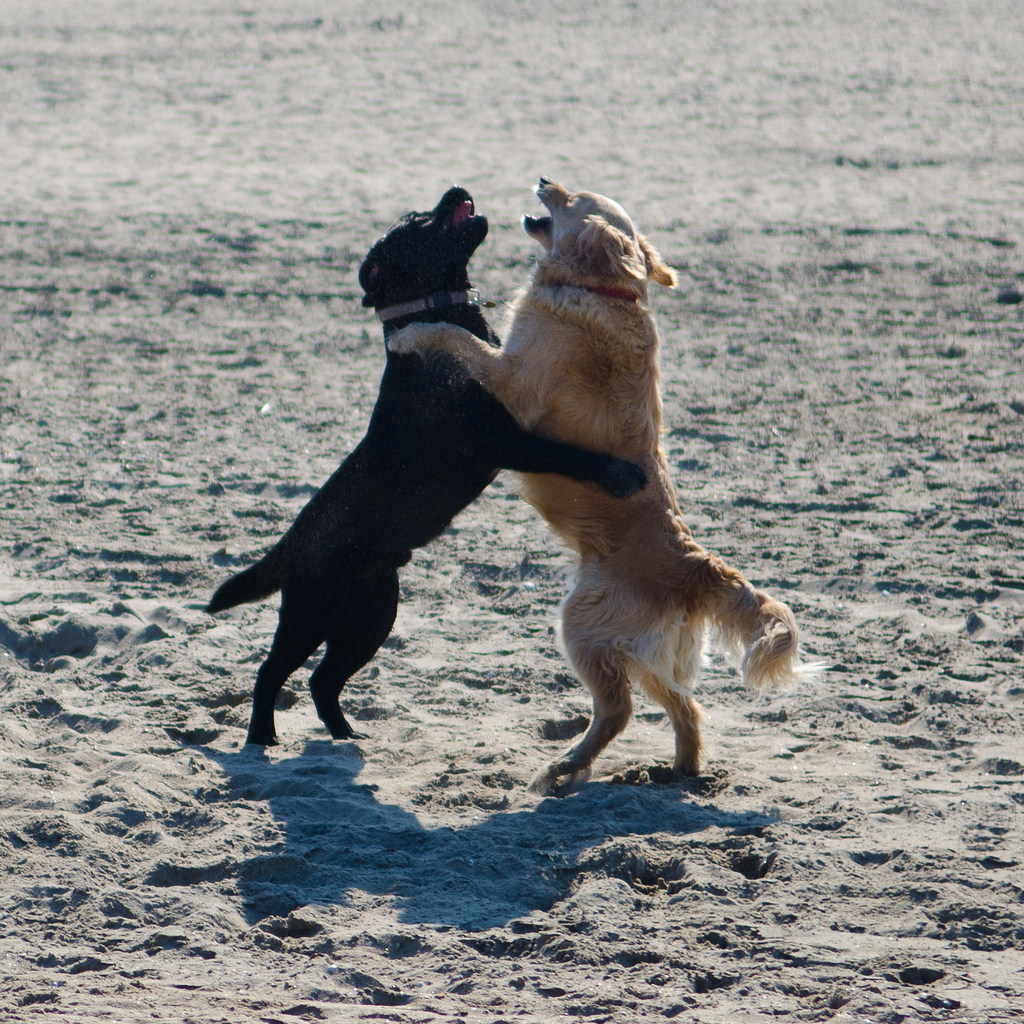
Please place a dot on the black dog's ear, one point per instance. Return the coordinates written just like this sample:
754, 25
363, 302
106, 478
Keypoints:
370, 278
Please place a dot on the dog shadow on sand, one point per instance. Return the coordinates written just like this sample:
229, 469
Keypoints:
342, 843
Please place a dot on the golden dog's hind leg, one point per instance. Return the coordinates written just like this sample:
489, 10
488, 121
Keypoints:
685, 715
603, 669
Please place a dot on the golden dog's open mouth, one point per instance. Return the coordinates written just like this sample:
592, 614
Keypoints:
540, 229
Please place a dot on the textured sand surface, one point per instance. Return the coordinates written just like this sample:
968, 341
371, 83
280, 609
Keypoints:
187, 192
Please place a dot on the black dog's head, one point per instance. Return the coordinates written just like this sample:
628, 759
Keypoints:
424, 253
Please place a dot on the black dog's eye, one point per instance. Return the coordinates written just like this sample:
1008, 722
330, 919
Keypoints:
373, 273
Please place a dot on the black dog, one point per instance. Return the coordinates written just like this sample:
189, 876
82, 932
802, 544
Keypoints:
436, 439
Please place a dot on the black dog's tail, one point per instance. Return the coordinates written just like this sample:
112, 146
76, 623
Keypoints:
253, 584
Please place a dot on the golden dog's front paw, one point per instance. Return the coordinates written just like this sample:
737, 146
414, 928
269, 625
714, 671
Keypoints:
416, 338
403, 342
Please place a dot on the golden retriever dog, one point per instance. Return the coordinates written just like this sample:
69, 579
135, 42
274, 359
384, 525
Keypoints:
580, 364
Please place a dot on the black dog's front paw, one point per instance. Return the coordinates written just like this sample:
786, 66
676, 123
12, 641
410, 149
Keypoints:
622, 479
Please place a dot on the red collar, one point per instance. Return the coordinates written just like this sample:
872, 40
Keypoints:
614, 293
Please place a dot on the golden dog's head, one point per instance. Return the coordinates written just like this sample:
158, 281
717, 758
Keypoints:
592, 235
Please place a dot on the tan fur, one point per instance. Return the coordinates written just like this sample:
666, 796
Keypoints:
582, 367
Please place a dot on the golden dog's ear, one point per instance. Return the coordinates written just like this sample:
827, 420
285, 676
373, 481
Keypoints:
656, 270
605, 251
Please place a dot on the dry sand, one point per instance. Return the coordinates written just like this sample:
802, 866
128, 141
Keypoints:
187, 191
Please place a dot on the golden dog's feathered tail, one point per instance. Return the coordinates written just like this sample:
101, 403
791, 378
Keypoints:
759, 632
762, 635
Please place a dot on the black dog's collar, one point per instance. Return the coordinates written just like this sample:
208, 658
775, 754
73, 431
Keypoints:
439, 300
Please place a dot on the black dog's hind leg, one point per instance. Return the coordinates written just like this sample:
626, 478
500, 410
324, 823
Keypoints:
527, 453
361, 625
300, 631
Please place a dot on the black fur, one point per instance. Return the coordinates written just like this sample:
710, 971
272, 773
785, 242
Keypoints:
436, 439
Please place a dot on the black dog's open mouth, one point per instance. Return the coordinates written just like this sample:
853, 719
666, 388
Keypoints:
463, 213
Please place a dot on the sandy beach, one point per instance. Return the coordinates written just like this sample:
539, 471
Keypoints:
188, 191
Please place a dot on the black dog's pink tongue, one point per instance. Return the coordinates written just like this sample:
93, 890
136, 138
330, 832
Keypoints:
462, 213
